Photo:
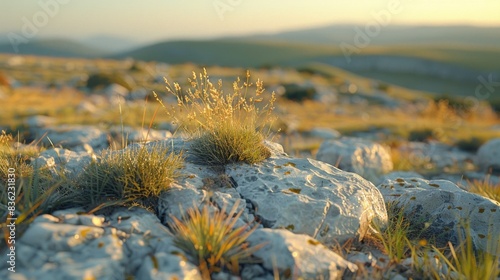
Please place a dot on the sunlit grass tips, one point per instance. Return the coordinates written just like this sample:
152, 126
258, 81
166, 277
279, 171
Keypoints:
211, 239
129, 175
224, 127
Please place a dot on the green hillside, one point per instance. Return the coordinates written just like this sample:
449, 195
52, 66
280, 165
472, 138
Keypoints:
477, 58
53, 47
235, 53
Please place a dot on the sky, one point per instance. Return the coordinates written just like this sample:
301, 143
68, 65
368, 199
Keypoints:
154, 20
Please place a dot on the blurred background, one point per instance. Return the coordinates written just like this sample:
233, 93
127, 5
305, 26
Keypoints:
421, 78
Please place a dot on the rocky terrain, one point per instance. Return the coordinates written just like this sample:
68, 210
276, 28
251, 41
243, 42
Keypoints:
363, 180
303, 208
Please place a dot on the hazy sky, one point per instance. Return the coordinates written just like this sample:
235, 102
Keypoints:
149, 20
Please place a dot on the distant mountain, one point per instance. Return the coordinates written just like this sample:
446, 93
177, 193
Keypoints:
53, 47
390, 35
109, 43
237, 53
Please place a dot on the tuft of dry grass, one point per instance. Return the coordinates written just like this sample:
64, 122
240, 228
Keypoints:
466, 263
128, 175
485, 188
27, 190
212, 241
395, 238
224, 127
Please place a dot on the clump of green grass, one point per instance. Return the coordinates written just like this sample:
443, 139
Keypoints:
467, 263
26, 190
212, 241
485, 188
429, 262
225, 128
129, 175
16, 158
394, 238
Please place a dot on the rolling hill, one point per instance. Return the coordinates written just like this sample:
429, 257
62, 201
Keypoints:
238, 53
391, 35
54, 47
443, 59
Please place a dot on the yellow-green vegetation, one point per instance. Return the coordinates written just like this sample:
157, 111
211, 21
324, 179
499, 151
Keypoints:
17, 159
134, 174
408, 161
224, 128
469, 264
429, 262
212, 241
485, 188
32, 189
395, 237
458, 262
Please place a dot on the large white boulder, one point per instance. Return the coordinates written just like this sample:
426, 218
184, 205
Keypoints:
443, 211
488, 155
303, 195
366, 158
309, 197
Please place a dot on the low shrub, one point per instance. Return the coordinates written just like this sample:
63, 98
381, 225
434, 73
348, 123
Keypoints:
458, 104
34, 190
299, 93
421, 135
101, 80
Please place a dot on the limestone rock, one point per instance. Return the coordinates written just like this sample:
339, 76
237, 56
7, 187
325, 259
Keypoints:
309, 197
442, 210
39, 121
298, 255
324, 133
131, 243
73, 137
368, 159
399, 174
62, 160
488, 155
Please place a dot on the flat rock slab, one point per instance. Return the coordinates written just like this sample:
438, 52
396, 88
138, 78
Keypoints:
73, 137
309, 197
61, 160
442, 211
69, 245
298, 256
